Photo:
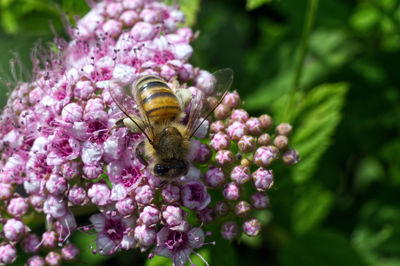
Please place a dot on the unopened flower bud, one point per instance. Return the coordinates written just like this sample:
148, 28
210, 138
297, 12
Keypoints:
125, 206
53, 258
290, 157
264, 139
145, 236
252, 227
171, 193
264, 155
236, 130
232, 99
99, 194
220, 141
149, 215
206, 215
284, 129
263, 179
205, 82
217, 126
56, 184
92, 171
222, 111
204, 154
224, 157
259, 200
172, 215
83, 89
6, 191
49, 239
231, 191
37, 201
242, 208
240, 175
215, 177
129, 17
35, 261
239, 115
31, 244
69, 252
194, 195
245, 162
254, 126
266, 121
247, 144
144, 194
77, 195
281, 142
13, 229
221, 208
229, 230
17, 207
8, 254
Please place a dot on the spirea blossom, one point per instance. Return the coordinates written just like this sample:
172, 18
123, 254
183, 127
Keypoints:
60, 149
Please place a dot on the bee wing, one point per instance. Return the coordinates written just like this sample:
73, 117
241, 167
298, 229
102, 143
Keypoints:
198, 111
128, 99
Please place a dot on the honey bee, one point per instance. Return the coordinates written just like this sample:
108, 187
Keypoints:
162, 116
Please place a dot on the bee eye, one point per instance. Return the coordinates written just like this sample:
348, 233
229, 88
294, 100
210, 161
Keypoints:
160, 169
181, 165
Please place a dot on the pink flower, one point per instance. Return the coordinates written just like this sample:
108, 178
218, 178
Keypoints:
113, 233
194, 195
178, 245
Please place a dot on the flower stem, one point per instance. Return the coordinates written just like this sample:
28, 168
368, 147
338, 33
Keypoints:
308, 24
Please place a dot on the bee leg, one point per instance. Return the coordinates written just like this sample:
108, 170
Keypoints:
132, 123
139, 154
118, 124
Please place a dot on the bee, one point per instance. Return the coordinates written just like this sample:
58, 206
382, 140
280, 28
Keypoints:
161, 120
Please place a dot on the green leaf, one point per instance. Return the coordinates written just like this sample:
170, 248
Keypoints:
223, 253
390, 153
377, 235
311, 208
253, 4
158, 261
320, 248
83, 243
320, 61
190, 8
317, 118
369, 170
9, 21
162, 261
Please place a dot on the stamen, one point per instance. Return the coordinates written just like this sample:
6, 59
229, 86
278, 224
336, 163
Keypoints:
201, 257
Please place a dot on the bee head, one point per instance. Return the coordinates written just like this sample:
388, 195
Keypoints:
171, 169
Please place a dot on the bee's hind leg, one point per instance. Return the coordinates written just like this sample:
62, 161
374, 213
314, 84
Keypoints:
139, 154
127, 122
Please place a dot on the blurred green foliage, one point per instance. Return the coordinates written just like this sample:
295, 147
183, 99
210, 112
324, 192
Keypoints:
341, 204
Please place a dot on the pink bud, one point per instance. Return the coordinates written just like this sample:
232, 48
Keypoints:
254, 126
231, 191
263, 179
232, 99
229, 230
252, 227
284, 129
215, 177
224, 157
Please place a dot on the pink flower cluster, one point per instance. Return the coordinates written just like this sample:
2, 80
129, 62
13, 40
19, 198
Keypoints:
245, 149
58, 152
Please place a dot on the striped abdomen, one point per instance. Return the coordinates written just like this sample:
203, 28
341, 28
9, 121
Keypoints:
158, 101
